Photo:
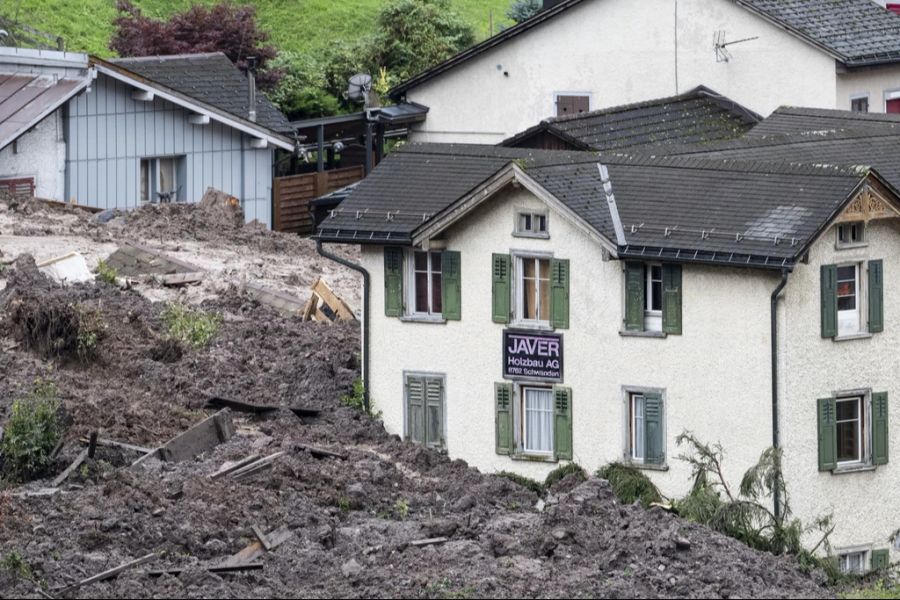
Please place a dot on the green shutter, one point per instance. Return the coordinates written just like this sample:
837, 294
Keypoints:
451, 287
881, 559
503, 399
501, 287
562, 423
434, 412
880, 421
876, 296
829, 301
671, 284
559, 293
393, 282
415, 409
654, 443
634, 296
827, 435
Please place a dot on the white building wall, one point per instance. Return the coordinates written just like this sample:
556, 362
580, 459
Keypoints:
619, 52
875, 83
863, 503
716, 375
41, 154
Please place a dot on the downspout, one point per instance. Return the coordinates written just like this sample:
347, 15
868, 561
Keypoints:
776, 434
365, 323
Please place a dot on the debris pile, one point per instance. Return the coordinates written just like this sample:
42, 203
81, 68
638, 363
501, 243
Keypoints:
253, 479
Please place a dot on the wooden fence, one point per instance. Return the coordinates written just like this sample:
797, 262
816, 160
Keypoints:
294, 193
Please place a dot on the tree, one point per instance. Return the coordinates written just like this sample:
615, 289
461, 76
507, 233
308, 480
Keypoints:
224, 27
522, 10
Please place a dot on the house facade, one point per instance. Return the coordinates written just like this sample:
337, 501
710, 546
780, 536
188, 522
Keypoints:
584, 55
521, 319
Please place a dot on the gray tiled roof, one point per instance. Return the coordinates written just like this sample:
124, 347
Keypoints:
792, 120
700, 115
757, 213
210, 78
857, 32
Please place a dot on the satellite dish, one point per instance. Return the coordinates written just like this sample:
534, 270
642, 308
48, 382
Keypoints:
359, 88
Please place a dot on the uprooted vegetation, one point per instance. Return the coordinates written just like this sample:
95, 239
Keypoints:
31, 433
348, 510
193, 328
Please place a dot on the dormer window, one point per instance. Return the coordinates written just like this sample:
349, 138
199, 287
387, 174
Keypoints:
851, 234
532, 224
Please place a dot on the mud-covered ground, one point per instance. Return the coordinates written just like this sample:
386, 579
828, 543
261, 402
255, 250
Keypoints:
352, 521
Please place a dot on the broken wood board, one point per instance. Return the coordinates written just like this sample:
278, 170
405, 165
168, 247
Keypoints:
121, 445
326, 306
257, 465
178, 279
133, 260
256, 549
107, 574
284, 303
256, 566
237, 405
232, 467
202, 437
70, 469
319, 452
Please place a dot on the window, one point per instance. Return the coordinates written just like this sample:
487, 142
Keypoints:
848, 299
851, 430
567, 104
426, 283
652, 299
531, 224
645, 430
636, 420
537, 420
852, 299
160, 179
533, 290
425, 409
860, 104
850, 234
853, 563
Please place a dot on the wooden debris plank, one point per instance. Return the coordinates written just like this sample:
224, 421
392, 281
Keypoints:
429, 542
92, 445
108, 574
338, 306
256, 465
70, 469
200, 438
232, 468
122, 445
235, 568
239, 406
256, 549
176, 279
261, 537
319, 452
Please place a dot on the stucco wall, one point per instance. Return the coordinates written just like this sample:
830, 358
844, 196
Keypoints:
716, 375
872, 82
41, 154
109, 133
622, 51
863, 503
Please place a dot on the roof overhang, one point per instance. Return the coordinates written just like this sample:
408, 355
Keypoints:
201, 108
37, 109
510, 174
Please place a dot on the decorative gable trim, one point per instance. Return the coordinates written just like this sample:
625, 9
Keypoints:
869, 205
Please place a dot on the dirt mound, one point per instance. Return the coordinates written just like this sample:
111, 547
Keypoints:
356, 524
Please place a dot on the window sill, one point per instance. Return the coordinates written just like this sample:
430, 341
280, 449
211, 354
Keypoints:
861, 468
536, 236
852, 336
531, 326
851, 246
644, 334
534, 458
644, 466
423, 319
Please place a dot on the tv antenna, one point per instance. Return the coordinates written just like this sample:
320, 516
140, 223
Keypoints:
360, 90
721, 46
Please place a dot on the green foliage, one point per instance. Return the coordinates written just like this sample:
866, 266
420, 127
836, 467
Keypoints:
521, 10
880, 589
31, 433
106, 273
91, 329
15, 564
355, 399
401, 509
194, 328
560, 473
344, 504
302, 92
629, 484
745, 515
525, 482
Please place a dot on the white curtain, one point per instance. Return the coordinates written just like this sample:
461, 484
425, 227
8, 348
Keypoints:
538, 420
637, 441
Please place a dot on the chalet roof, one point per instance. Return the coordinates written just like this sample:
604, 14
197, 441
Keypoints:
857, 33
210, 78
697, 116
760, 214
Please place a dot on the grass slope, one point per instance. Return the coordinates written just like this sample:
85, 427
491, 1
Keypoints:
295, 25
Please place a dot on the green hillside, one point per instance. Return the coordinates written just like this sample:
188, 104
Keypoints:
295, 25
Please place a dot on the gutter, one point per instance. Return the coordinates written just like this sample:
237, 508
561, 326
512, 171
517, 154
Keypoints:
776, 433
365, 322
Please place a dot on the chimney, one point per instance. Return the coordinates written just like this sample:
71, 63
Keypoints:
251, 78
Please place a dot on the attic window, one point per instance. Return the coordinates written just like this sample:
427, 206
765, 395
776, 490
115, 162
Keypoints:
860, 104
851, 234
532, 224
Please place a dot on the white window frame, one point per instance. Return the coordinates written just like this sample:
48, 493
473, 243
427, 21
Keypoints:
519, 320
848, 227
862, 96
865, 554
652, 317
633, 418
411, 287
851, 322
520, 231
522, 425
864, 398
154, 176
629, 431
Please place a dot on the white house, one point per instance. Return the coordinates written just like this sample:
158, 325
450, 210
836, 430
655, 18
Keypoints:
527, 311
583, 55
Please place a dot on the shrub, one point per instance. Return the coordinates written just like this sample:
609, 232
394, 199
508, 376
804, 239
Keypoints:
193, 328
15, 564
31, 433
629, 484
560, 473
525, 482
106, 273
